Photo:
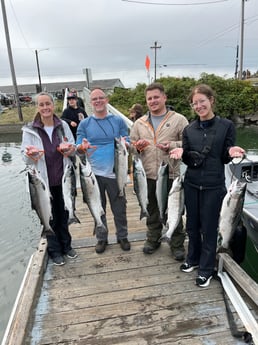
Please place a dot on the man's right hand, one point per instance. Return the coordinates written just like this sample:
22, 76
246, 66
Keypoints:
141, 144
83, 147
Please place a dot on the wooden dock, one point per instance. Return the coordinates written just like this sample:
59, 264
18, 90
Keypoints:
117, 297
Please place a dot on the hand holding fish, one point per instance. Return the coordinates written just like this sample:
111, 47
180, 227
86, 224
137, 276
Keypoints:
84, 146
176, 153
33, 152
163, 146
66, 149
141, 144
236, 151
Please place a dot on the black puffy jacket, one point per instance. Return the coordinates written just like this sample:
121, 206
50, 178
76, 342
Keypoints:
218, 136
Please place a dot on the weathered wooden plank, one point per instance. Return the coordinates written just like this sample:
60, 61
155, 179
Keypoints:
17, 327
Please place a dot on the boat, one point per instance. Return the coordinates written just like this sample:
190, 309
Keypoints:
246, 170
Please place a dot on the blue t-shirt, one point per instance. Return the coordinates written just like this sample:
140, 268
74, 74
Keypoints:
102, 133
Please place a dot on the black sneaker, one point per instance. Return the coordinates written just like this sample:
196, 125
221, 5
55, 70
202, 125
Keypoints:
150, 247
58, 260
100, 247
203, 281
124, 244
187, 267
71, 254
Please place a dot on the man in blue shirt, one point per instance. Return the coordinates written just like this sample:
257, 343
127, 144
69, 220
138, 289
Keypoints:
99, 131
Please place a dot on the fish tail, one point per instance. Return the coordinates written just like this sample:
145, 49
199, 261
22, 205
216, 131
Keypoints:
100, 229
164, 238
144, 214
47, 232
74, 220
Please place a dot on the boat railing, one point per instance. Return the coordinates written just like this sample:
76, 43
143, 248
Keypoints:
228, 267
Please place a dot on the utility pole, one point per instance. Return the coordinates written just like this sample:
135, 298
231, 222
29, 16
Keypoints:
242, 40
155, 58
8, 43
236, 68
37, 60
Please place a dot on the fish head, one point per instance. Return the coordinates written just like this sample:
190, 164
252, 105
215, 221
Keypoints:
237, 189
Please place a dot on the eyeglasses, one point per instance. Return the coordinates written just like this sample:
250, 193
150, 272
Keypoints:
95, 99
201, 102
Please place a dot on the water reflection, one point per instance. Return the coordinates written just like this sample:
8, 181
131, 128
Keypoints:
19, 229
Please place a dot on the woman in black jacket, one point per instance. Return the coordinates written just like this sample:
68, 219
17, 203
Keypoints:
208, 144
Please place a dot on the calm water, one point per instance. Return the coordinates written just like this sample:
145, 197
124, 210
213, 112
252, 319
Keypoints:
19, 226
19, 230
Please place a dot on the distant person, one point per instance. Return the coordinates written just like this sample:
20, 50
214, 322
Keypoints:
153, 135
45, 134
80, 102
135, 112
73, 114
100, 130
208, 144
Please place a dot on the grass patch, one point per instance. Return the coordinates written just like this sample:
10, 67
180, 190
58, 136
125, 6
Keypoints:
10, 116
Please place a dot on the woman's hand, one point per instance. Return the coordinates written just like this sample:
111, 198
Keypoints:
176, 153
33, 152
66, 149
236, 152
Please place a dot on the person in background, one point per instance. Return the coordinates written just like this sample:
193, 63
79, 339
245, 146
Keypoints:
153, 135
208, 144
135, 112
100, 130
48, 134
80, 102
73, 114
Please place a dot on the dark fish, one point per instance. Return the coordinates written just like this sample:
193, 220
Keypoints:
40, 201
230, 213
91, 195
140, 186
69, 192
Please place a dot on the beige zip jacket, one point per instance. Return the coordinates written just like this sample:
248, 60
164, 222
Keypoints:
170, 130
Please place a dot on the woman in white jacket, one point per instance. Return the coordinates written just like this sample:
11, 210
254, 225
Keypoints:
47, 143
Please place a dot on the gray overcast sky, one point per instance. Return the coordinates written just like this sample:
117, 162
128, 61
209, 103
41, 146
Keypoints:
113, 37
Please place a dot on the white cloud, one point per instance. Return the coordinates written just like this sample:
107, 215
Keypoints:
112, 37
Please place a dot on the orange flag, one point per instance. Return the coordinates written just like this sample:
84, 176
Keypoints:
147, 63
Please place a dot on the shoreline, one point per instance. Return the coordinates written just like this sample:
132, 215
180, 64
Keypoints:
11, 128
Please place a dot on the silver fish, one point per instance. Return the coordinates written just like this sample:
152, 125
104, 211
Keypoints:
230, 213
175, 208
69, 192
162, 190
140, 186
40, 200
121, 164
91, 195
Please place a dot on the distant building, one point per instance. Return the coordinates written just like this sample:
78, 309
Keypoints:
107, 85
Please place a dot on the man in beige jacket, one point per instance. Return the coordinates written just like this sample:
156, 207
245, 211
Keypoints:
153, 136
